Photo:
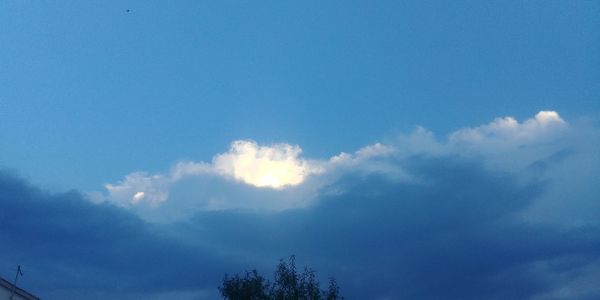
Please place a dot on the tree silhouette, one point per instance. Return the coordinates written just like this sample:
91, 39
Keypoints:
287, 285
251, 287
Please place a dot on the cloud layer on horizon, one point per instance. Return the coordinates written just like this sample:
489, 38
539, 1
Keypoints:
275, 177
510, 214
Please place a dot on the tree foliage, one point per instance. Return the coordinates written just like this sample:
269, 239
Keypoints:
287, 284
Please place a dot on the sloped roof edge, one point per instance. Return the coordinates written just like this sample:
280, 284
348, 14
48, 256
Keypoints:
18, 291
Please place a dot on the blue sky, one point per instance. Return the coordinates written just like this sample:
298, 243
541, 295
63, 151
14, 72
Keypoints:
187, 121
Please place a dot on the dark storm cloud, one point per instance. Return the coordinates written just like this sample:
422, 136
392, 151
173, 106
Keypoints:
454, 235
72, 244
452, 232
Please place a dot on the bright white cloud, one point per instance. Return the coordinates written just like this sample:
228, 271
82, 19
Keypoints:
276, 177
367, 160
139, 187
507, 144
138, 197
275, 166
365, 153
509, 130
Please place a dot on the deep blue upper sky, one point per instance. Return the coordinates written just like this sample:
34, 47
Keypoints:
89, 91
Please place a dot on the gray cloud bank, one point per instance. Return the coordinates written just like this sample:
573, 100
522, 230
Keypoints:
501, 211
